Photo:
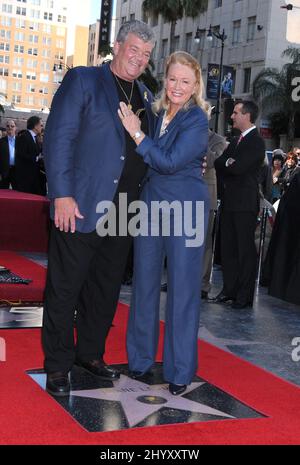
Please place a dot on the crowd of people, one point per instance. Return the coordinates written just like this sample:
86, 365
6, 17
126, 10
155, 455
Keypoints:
21, 157
109, 142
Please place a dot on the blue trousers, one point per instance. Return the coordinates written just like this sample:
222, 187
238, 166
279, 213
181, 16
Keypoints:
184, 273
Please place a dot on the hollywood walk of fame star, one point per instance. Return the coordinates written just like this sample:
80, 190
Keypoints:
139, 400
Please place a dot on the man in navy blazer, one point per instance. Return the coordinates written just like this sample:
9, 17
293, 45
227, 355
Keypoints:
90, 159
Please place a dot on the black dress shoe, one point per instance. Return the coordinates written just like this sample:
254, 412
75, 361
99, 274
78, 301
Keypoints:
177, 389
221, 298
98, 368
240, 305
164, 287
58, 384
139, 374
204, 295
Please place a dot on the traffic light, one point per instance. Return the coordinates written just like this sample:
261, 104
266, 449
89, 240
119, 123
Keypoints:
288, 7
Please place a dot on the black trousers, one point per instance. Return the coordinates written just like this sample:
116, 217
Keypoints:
9, 180
84, 274
238, 254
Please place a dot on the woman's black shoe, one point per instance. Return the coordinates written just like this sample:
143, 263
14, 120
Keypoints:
177, 389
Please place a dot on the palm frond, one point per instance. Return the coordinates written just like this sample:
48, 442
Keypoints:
293, 53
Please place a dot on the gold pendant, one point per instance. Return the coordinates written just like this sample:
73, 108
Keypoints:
129, 106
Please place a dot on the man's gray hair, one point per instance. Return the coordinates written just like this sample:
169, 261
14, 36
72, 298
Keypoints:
138, 28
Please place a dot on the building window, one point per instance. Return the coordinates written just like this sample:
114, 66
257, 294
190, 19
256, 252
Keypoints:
5, 34
18, 61
3, 71
188, 42
46, 53
6, 8
251, 28
247, 79
17, 73
35, 14
3, 85
21, 11
154, 20
123, 19
47, 28
45, 66
4, 46
43, 102
33, 51
33, 26
47, 41
17, 86
30, 100
48, 16
164, 48
44, 77
30, 88
20, 23
31, 75
4, 59
44, 90
33, 39
236, 32
218, 3
16, 99
6, 21
32, 63
132, 17
175, 44
19, 48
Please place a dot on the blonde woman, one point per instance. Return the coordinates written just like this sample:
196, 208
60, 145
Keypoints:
174, 157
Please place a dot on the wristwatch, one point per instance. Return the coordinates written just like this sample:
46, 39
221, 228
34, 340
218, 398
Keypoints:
136, 135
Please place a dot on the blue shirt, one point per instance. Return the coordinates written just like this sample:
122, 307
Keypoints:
11, 146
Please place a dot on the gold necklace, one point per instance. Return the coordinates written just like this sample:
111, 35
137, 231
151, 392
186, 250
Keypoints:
129, 106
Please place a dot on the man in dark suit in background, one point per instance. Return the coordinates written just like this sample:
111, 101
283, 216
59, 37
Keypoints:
28, 158
7, 157
239, 167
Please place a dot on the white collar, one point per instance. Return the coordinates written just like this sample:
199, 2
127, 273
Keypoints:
248, 130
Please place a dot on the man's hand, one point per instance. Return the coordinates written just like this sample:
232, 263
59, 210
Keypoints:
66, 210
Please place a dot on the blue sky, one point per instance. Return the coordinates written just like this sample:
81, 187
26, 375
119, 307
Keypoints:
95, 10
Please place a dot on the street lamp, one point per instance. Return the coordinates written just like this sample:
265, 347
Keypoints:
289, 7
222, 37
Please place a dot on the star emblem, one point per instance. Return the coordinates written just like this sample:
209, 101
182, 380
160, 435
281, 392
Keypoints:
140, 400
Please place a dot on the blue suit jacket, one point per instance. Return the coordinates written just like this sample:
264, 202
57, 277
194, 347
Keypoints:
84, 143
174, 158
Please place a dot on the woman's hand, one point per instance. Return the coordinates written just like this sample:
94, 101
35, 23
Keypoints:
130, 121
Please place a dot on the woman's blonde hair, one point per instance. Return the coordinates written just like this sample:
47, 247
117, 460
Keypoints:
183, 58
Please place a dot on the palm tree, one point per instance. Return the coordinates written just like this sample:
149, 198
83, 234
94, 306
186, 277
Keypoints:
173, 10
273, 89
